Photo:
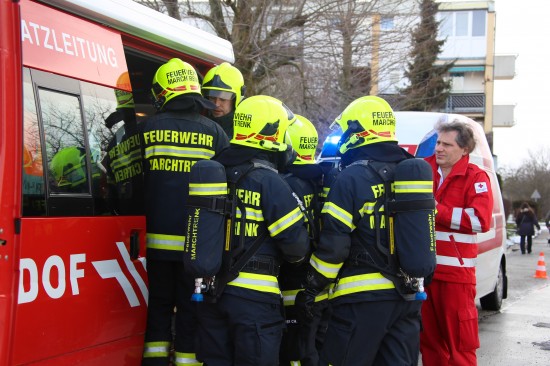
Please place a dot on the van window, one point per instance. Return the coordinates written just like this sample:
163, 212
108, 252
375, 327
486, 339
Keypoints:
66, 141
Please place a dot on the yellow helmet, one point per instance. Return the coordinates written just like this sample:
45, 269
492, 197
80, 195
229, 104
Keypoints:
304, 139
176, 77
124, 98
261, 122
224, 81
366, 120
69, 167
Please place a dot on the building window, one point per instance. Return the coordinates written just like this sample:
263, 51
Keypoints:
386, 23
478, 23
462, 23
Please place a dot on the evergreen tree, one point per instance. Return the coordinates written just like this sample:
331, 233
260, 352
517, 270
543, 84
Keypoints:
428, 90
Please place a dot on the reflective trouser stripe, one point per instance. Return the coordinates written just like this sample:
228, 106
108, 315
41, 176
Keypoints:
187, 359
156, 349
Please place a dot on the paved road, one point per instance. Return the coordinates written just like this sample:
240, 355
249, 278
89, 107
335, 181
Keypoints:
520, 333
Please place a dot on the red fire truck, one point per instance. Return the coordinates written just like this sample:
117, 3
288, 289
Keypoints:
73, 284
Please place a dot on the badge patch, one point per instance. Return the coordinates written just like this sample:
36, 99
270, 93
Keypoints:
480, 187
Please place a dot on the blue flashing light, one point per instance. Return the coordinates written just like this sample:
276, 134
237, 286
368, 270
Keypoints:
427, 146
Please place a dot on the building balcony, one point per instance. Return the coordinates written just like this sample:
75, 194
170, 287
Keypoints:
471, 103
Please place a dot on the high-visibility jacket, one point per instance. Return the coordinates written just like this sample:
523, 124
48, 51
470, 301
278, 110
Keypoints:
349, 226
272, 212
464, 208
172, 141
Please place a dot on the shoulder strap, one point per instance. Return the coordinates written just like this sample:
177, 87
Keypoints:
235, 268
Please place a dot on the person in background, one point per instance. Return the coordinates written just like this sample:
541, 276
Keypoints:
464, 204
123, 161
526, 221
172, 141
305, 178
224, 86
244, 325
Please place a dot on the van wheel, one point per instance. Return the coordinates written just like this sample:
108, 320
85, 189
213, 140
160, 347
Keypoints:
493, 301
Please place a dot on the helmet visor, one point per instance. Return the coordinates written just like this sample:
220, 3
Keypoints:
211, 93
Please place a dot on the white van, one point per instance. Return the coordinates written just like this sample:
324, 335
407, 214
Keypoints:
415, 132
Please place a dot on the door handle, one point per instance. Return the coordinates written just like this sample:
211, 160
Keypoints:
134, 244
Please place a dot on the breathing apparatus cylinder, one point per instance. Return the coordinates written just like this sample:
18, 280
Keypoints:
207, 208
413, 211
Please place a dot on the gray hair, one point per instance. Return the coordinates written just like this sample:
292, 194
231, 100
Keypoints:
465, 134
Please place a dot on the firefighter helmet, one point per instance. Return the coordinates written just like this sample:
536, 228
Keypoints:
174, 78
304, 139
69, 167
224, 81
124, 97
366, 120
261, 122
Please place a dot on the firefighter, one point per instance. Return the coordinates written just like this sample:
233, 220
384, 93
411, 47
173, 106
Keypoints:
224, 86
464, 209
172, 141
123, 160
305, 178
244, 326
372, 321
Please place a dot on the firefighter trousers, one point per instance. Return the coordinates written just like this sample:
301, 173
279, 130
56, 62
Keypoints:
169, 288
237, 331
381, 333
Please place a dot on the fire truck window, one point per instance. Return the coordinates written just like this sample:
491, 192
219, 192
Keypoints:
65, 142
34, 202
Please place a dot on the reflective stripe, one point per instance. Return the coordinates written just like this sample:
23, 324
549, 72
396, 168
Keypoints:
325, 192
204, 189
368, 208
474, 220
456, 218
188, 359
414, 186
289, 296
339, 214
458, 237
258, 282
328, 270
125, 160
156, 349
251, 214
295, 363
165, 242
361, 283
455, 262
178, 152
286, 221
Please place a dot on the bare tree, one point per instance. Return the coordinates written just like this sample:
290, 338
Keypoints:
533, 174
315, 55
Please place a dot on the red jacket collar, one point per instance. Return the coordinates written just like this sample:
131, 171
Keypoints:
459, 168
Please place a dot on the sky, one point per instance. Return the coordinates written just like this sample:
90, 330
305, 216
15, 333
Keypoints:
523, 29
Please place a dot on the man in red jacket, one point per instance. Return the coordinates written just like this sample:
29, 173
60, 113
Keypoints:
464, 204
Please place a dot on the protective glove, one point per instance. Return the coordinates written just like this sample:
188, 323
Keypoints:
305, 300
